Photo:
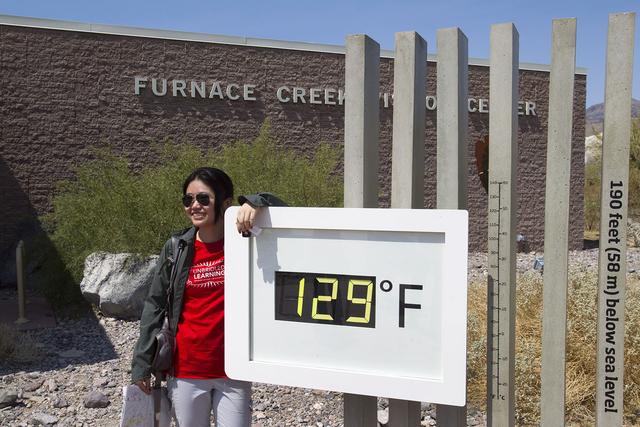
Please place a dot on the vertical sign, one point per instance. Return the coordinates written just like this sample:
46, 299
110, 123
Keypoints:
407, 174
613, 220
503, 204
452, 171
556, 223
361, 128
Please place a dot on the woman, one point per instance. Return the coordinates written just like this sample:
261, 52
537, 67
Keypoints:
198, 381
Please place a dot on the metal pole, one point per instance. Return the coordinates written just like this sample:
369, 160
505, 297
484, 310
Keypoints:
20, 280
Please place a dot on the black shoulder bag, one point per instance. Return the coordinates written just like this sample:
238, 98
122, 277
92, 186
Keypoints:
165, 339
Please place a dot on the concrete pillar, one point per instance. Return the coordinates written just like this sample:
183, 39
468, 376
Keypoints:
613, 220
453, 118
409, 109
452, 136
407, 173
503, 205
361, 122
556, 223
361, 133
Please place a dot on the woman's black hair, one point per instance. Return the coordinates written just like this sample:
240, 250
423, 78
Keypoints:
215, 179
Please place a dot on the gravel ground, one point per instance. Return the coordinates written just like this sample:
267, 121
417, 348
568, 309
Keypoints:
88, 359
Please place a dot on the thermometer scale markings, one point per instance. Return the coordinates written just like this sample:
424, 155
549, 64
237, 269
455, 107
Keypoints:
497, 334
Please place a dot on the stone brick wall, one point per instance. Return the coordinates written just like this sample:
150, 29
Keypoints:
64, 92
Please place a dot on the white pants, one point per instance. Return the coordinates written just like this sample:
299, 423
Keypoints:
193, 399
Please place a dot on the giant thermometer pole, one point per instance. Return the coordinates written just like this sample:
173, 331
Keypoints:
503, 204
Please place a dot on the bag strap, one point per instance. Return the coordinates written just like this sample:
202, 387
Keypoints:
157, 402
177, 246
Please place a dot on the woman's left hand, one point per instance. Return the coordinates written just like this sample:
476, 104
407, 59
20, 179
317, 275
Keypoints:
246, 217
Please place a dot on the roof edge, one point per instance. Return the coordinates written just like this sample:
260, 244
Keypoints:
54, 24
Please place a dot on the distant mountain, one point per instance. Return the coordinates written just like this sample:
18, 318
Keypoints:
595, 116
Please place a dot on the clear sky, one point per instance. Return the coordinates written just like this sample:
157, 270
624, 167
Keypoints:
328, 21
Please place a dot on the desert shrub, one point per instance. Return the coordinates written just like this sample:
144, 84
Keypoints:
634, 171
580, 353
109, 207
592, 183
634, 149
592, 195
261, 166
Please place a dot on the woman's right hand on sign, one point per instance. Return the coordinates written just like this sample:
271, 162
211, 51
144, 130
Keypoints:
246, 217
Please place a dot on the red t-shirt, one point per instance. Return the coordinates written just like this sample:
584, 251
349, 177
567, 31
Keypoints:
200, 334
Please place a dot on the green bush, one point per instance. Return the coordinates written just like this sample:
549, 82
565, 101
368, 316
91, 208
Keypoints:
634, 151
262, 166
634, 171
592, 194
109, 207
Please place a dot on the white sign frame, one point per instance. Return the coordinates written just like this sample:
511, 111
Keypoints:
449, 389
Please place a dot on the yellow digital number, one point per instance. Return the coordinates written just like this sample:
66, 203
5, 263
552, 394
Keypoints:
300, 296
366, 301
325, 298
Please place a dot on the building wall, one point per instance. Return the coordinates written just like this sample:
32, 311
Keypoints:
65, 92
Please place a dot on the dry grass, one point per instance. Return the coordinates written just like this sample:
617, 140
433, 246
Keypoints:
16, 346
591, 234
581, 348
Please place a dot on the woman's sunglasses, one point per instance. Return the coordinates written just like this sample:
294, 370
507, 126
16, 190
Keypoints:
203, 199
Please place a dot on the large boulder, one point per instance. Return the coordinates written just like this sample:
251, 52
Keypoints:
117, 283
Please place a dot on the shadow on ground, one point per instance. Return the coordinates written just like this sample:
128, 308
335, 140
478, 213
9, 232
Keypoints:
51, 345
45, 343
590, 244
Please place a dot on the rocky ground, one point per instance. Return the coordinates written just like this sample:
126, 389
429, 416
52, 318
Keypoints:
79, 382
80, 366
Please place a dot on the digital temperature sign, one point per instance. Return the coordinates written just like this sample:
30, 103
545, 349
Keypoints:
335, 299
362, 301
